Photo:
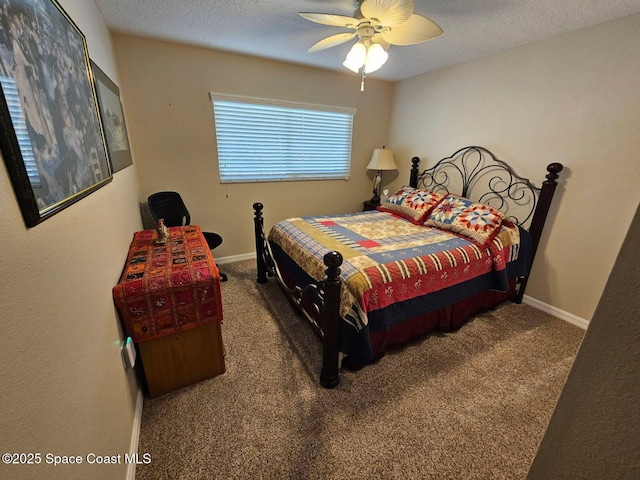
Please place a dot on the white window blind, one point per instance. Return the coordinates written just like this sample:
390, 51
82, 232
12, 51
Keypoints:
261, 140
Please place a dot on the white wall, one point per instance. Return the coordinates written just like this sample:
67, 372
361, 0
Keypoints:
573, 99
64, 389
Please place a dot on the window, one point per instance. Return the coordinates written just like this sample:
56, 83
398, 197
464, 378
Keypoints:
262, 140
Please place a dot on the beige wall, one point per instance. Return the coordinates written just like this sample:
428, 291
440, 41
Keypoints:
593, 432
572, 99
170, 118
64, 389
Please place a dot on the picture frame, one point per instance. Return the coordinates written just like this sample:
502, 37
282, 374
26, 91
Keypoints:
113, 121
51, 135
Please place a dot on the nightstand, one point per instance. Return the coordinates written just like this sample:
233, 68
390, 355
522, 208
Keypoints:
369, 205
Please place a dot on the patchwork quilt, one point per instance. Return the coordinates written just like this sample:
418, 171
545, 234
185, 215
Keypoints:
389, 260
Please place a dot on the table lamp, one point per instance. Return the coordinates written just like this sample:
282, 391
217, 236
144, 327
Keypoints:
382, 159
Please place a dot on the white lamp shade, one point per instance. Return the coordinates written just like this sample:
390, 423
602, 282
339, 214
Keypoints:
356, 57
382, 159
376, 57
370, 56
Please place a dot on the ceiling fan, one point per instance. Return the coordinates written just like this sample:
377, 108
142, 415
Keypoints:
377, 24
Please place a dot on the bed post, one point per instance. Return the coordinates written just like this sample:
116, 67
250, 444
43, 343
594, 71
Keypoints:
258, 223
413, 179
329, 374
540, 216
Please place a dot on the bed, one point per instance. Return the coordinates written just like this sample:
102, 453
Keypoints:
457, 240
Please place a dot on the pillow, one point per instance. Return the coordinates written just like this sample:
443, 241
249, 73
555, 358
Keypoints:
475, 221
414, 204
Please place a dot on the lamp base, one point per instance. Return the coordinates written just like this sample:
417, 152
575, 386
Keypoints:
376, 188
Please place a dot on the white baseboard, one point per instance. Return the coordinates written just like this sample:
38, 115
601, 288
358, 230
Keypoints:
235, 258
556, 312
135, 434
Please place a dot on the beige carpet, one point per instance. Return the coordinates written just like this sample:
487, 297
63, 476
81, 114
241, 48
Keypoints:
472, 404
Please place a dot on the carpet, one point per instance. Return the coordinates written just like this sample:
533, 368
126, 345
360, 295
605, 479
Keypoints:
472, 404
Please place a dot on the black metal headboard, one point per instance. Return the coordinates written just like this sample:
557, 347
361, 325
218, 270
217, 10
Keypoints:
476, 173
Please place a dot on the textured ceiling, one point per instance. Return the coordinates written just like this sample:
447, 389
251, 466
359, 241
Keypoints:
273, 28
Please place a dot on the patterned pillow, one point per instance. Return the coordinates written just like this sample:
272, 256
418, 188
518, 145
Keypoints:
414, 204
475, 221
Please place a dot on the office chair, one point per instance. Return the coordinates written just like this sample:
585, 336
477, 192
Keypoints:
170, 207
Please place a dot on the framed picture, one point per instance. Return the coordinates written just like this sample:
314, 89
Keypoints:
113, 124
50, 132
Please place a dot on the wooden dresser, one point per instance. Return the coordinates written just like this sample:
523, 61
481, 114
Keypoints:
170, 305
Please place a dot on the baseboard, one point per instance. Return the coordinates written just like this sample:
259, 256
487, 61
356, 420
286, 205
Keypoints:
556, 312
235, 258
135, 434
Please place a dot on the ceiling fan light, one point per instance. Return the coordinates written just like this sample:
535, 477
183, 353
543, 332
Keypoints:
356, 57
353, 67
378, 24
376, 57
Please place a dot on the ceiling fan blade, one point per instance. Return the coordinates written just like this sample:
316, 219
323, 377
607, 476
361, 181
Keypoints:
330, 19
331, 41
388, 12
417, 29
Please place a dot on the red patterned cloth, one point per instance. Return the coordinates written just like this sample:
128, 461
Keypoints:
168, 288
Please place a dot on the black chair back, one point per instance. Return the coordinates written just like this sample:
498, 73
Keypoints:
169, 205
